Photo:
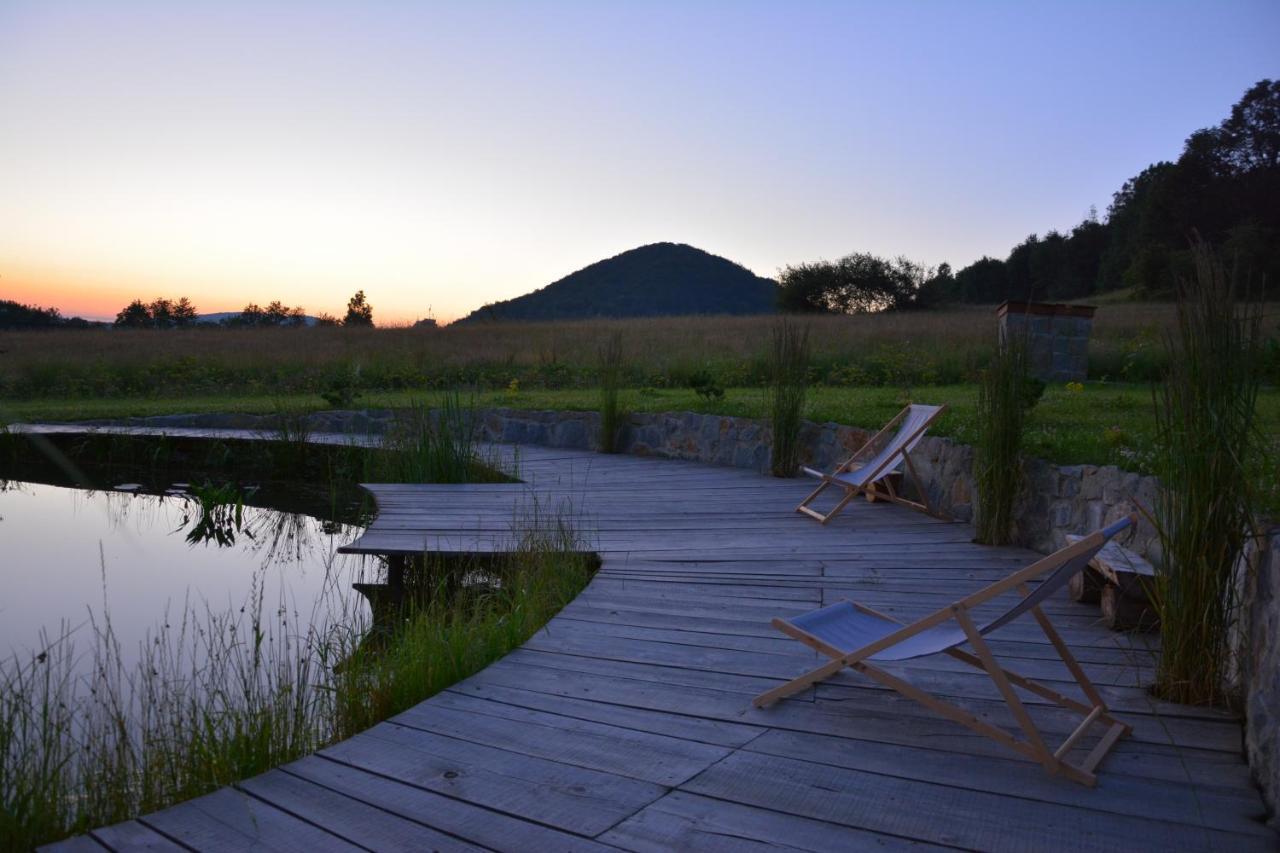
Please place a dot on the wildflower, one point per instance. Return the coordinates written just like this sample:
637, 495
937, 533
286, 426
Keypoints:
1075, 388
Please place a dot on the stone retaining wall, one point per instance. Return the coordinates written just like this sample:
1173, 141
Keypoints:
1259, 641
1057, 499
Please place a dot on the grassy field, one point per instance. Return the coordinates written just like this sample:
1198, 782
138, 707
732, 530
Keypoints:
864, 369
921, 348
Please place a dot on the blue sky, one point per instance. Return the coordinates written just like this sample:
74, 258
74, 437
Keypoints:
440, 156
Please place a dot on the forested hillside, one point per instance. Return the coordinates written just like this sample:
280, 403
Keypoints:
660, 279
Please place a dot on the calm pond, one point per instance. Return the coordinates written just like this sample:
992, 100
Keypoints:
69, 553
145, 553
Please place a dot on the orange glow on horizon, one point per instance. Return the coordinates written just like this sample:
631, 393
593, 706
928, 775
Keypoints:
100, 297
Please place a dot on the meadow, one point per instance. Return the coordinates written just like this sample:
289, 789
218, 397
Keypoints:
863, 369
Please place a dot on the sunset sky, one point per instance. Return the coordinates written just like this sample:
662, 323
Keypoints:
441, 156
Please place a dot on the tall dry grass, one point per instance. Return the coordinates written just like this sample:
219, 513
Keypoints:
926, 347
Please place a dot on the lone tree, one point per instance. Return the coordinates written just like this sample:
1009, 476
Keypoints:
359, 311
135, 315
855, 284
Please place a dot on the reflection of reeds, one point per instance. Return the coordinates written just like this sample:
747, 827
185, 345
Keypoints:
1208, 449
222, 695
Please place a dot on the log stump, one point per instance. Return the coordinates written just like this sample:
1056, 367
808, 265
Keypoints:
1086, 587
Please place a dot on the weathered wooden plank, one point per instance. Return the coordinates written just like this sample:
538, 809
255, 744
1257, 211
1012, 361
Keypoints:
560, 795
894, 720
1184, 801
655, 758
76, 844
698, 729
231, 820
349, 819
944, 814
131, 835
684, 821
481, 826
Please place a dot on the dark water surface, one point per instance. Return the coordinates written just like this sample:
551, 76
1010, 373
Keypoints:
67, 553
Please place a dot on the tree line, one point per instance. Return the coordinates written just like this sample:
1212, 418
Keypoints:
1224, 190
164, 313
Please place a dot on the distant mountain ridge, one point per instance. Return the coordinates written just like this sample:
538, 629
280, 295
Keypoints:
219, 317
657, 280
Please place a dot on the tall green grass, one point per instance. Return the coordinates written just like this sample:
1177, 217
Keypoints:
1001, 423
460, 614
789, 355
434, 445
611, 379
1207, 454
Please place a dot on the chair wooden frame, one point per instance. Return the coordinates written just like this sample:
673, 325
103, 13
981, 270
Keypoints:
875, 488
1033, 746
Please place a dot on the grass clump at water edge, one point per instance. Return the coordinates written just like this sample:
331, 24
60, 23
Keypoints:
220, 696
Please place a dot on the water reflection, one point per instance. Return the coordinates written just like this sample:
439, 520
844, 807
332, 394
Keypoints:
68, 554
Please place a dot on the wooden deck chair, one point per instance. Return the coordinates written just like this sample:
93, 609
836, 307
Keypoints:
854, 636
859, 475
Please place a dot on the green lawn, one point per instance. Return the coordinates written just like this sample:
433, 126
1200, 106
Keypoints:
1103, 424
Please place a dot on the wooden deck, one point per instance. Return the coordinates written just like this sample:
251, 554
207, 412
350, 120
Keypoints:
627, 722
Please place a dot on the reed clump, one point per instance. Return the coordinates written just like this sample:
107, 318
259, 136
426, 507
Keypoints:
1207, 457
460, 614
1006, 396
612, 375
435, 446
789, 354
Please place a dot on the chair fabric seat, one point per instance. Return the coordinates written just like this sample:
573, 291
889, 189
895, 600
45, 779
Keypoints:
845, 627
908, 436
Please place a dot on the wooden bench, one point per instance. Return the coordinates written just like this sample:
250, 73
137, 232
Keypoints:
1118, 579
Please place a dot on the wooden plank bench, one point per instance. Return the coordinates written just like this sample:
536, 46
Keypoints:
1118, 579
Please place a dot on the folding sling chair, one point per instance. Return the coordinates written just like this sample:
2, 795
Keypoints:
854, 636
857, 475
